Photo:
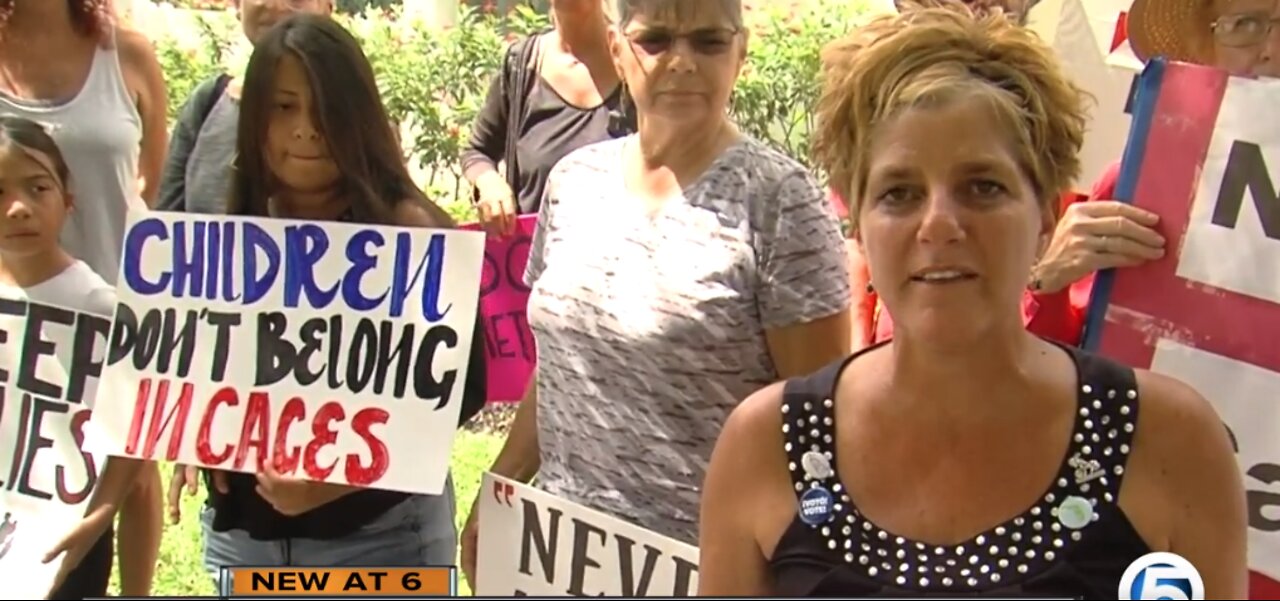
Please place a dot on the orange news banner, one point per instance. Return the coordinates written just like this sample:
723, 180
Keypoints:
340, 582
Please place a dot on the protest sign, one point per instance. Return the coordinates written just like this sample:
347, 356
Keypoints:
537, 545
50, 360
337, 351
1208, 312
509, 343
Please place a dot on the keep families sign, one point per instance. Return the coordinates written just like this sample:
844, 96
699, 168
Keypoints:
1209, 312
537, 545
50, 359
336, 351
504, 298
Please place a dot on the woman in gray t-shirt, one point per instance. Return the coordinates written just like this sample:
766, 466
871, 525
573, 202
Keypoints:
674, 272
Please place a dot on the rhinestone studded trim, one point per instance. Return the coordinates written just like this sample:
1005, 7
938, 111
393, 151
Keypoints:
1100, 443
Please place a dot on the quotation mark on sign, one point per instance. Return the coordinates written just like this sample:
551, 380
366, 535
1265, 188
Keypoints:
503, 491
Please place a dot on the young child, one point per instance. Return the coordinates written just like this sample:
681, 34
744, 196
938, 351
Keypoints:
34, 204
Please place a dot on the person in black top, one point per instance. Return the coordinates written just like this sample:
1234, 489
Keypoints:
557, 91
314, 143
965, 457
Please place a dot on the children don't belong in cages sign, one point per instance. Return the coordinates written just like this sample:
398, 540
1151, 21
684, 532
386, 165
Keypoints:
336, 351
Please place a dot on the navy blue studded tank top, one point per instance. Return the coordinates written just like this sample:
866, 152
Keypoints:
1037, 553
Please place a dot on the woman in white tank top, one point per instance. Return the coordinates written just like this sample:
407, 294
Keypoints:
100, 93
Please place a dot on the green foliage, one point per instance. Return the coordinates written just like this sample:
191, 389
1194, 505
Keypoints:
778, 87
433, 81
185, 65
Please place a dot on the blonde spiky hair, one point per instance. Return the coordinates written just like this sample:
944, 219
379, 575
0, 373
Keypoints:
926, 56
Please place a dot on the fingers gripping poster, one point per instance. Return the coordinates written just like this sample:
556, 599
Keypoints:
534, 544
50, 359
1208, 313
336, 351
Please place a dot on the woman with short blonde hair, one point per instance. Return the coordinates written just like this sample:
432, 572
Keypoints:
966, 455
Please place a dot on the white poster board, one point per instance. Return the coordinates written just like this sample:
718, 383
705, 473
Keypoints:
50, 358
1081, 32
538, 545
337, 351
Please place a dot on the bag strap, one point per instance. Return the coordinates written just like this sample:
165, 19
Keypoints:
207, 97
519, 83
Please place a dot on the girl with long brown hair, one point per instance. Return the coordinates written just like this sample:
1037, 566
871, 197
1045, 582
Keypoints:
315, 143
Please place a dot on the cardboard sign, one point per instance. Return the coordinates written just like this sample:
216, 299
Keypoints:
337, 351
504, 298
1209, 312
535, 544
50, 358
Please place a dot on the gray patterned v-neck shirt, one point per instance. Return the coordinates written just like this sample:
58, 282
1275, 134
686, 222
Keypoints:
651, 329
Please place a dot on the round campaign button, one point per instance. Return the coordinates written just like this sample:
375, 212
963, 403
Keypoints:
816, 465
1075, 512
815, 506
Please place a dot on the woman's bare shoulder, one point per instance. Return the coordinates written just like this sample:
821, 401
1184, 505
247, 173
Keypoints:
758, 415
134, 47
1181, 445
751, 438
1190, 491
1172, 409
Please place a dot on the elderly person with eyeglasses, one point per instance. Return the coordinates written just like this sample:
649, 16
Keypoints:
673, 272
1235, 35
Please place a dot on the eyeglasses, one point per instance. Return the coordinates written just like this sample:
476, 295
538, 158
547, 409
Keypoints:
1248, 29
709, 41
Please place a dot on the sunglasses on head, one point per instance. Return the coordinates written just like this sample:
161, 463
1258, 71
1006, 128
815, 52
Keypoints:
708, 41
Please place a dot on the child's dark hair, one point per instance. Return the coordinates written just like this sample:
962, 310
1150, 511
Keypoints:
30, 137
348, 112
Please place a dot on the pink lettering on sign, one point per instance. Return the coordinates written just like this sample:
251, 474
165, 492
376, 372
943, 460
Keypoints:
503, 298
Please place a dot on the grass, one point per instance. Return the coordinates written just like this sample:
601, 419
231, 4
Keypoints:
179, 573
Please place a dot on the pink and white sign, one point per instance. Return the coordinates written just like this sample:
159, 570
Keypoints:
1209, 312
511, 350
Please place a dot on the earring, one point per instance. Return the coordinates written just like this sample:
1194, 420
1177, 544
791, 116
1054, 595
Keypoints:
871, 289
622, 120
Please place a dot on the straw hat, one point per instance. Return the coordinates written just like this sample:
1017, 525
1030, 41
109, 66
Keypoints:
1177, 30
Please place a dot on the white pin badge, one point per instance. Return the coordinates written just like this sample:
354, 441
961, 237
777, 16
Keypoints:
816, 465
1075, 512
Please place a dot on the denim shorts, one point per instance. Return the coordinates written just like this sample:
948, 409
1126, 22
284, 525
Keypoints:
418, 531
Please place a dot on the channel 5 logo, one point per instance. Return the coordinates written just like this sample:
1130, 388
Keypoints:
1161, 576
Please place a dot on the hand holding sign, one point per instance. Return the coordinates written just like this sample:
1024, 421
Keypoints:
77, 543
1096, 235
188, 476
291, 496
496, 205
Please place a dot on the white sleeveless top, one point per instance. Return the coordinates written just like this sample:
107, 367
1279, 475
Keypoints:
99, 132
